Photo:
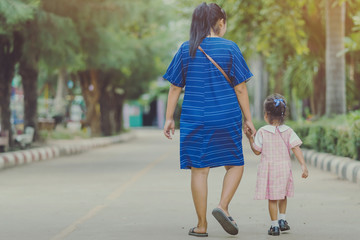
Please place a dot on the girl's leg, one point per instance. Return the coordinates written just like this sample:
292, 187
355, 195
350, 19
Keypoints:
282, 206
231, 182
284, 226
199, 191
273, 209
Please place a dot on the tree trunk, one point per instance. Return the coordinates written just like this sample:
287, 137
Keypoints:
319, 95
91, 94
317, 46
119, 100
10, 53
29, 74
59, 104
260, 87
279, 88
107, 108
7, 75
335, 65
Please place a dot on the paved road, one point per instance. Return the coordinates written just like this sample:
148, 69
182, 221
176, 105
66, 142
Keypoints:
135, 190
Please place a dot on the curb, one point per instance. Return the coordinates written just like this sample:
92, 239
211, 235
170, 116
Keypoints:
17, 158
343, 167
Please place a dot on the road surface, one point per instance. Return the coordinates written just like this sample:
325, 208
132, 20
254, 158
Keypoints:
135, 190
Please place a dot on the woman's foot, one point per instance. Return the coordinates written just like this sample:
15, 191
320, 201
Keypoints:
226, 211
198, 232
225, 221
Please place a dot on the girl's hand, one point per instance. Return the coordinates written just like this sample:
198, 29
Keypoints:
248, 133
169, 126
249, 128
305, 172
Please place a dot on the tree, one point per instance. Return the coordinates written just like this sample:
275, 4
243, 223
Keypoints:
45, 45
335, 62
121, 47
352, 49
13, 16
275, 32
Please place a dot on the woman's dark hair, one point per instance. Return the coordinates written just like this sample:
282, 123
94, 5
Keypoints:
205, 17
275, 108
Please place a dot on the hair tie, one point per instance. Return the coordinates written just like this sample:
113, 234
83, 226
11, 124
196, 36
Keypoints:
278, 101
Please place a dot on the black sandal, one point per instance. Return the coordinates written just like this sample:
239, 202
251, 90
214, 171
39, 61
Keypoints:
193, 233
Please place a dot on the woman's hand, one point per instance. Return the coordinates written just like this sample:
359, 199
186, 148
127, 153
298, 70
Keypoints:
249, 128
248, 134
169, 126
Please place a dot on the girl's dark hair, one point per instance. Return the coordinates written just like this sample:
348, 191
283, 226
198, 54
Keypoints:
275, 108
204, 18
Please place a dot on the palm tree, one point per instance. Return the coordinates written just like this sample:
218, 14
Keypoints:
335, 63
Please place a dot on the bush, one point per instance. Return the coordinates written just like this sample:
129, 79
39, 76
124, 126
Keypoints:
338, 136
356, 136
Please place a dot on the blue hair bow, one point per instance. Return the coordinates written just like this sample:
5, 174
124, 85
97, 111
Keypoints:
278, 101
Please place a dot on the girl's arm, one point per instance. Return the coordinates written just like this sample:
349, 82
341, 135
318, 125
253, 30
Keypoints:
173, 97
300, 157
243, 99
251, 140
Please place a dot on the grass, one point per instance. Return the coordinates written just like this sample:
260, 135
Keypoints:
64, 134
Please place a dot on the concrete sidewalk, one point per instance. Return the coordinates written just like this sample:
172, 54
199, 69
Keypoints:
58, 148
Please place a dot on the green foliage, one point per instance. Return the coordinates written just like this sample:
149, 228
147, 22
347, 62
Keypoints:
338, 136
299, 76
63, 134
13, 13
356, 137
126, 40
59, 41
54, 41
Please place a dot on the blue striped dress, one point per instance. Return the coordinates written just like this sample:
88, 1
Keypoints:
211, 118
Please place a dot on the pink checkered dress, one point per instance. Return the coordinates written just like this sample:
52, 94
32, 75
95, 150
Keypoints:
274, 176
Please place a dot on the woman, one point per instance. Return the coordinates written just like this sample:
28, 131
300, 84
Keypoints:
211, 118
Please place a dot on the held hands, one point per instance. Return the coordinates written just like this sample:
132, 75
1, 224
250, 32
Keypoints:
248, 133
305, 172
169, 127
249, 129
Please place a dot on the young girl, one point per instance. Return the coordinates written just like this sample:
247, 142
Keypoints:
274, 177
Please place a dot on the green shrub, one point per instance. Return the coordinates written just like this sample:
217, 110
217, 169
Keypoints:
338, 136
355, 134
344, 146
329, 139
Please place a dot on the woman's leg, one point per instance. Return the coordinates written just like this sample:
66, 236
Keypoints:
273, 209
231, 182
199, 191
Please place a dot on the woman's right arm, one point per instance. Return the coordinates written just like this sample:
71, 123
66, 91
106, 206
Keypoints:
243, 99
173, 97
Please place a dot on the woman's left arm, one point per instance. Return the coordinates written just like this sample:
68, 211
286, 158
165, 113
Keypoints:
173, 97
243, 99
